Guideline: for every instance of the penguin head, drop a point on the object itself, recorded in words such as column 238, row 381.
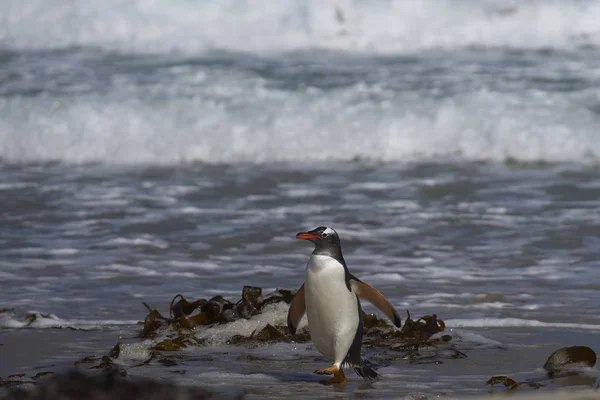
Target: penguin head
column 325, row 239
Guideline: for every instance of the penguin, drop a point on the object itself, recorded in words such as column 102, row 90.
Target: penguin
column 330, row 299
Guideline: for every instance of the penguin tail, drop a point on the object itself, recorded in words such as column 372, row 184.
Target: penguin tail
column 366, row 372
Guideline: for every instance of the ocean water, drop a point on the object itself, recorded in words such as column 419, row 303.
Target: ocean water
column 150, row 148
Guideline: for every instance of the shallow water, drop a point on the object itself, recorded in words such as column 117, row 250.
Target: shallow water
column 145, row 151
column 482, row 244
column 503, row 253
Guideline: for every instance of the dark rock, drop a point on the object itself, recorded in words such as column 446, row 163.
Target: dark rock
column 570, row 358
column 109, row 385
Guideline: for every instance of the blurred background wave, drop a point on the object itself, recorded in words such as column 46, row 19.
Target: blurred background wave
column 166, row 82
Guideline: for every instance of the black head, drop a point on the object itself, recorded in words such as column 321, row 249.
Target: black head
column 326, row 240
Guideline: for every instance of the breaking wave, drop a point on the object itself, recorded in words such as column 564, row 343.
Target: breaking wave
column 388, row 26
column 298, row 127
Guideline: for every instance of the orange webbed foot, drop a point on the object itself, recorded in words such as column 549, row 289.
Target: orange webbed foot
column 338, row 377
column 327, row 371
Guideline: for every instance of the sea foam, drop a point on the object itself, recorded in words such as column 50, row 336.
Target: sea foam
column 516, row 322
column 287, row 25
column 120, row 129
column 37, row 320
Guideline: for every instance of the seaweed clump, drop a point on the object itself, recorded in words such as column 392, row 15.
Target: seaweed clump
column 413, row 342
column 412, row 333
column 185, row 316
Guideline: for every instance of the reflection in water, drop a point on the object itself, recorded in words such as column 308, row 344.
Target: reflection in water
column 574, row 378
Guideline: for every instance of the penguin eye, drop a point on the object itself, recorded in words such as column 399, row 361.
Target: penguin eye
column 324, row 235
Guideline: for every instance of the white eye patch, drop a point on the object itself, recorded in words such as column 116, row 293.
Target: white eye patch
column 329, row 231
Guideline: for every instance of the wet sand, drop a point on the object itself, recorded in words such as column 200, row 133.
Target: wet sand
column 284, row 370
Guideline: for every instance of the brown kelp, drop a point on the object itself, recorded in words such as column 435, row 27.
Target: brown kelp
column 187, row 317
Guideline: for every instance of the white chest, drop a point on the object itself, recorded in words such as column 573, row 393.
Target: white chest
column 331, row 309
column 325, row 280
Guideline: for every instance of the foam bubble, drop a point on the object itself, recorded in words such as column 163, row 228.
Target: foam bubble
column 135, row 351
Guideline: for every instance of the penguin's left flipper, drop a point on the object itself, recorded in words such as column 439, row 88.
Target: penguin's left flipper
column 377, row 299
column 296, row 311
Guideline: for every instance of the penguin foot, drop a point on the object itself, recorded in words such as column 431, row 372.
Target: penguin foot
column 338, row 377
column 327, row 371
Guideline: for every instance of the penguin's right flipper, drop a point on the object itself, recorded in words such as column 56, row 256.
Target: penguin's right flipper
column 377, row 299
column 296, row 311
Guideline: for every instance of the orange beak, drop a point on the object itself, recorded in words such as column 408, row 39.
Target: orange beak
column 306, row 236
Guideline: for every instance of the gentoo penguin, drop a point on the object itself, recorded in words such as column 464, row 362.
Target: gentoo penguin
column 329, row 297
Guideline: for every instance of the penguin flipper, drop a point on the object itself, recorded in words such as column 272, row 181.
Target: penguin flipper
column 296, row 311
column 376, row 298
